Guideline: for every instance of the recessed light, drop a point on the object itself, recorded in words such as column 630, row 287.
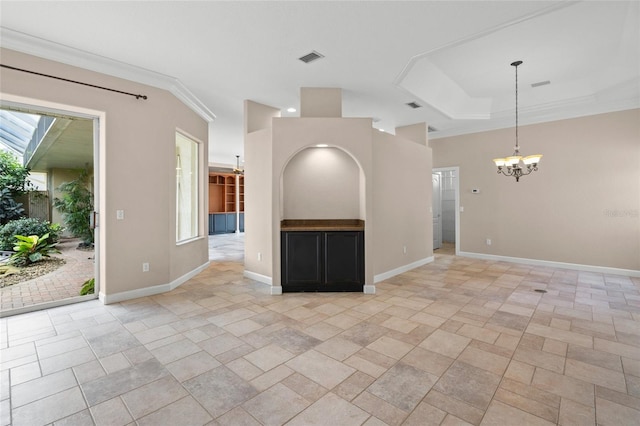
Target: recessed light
column 291, row 109
column 322, row 145
column 381, row 130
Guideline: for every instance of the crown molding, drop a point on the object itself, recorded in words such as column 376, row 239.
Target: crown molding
column 539, row 115
column 35, row 46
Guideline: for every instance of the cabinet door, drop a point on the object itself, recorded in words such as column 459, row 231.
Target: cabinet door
column 231, row 222
column 219, row 223
column 343, row 257
column 241, row 222
column 301, row 260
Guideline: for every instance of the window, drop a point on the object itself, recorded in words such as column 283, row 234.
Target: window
column 186, row 188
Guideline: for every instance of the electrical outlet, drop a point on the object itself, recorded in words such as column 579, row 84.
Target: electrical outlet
column 488, row 241
column 120, row 214
column 404, row 249
column 145, row 267
column 259, row 257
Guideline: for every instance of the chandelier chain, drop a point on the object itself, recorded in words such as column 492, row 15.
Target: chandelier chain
column 517, row 145
column 510, row 166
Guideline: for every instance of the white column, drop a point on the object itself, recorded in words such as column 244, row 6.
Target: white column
column 237, row 204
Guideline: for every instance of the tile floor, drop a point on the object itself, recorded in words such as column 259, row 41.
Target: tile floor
column 65, row 282
column 459, row 341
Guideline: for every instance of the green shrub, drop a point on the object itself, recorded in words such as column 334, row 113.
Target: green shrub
column 76, row 206
column 13, row 175
column 32, row 249
column 9, row 208
column 13, row 181
column 27, row 226
column 88, row 287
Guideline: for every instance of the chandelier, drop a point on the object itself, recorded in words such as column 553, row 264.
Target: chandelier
column 510, row 166
column 237, row 170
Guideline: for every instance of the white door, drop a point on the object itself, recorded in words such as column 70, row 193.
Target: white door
column 437, row 211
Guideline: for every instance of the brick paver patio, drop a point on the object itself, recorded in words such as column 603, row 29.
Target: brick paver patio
column 63, row 283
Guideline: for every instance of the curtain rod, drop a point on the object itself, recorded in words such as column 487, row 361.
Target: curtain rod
column 73, row 81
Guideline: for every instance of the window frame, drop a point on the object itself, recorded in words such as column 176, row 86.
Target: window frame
column 194, row 187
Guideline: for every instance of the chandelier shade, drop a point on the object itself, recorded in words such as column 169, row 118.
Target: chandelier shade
column 510, row 166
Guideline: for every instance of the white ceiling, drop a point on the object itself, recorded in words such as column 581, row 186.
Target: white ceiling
column 451, row 57
column 68, row 144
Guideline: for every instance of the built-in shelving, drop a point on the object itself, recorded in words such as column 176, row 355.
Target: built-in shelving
column 226, row 199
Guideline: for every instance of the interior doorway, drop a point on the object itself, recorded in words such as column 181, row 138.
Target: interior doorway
column 446, row 209
column 436, row 181
column 64, row 143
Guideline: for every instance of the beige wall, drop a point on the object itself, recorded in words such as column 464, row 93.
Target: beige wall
column 137, row 169
column 321, row 183
column 258, row 116
column 320, row 102
column 388, row 179
column 417, row 133
column 581, row 207
column 258, row 216
column 292, row 135
column 401, row 202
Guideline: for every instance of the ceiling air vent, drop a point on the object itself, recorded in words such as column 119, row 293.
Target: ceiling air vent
column 541, row 83
column 310, row 57
column 413, row 105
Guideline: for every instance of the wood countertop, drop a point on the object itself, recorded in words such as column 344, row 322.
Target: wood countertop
column 322, row 225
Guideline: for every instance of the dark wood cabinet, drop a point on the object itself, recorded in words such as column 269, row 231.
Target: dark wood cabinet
column 302, row 258
column 343, row 257
column 322, row 261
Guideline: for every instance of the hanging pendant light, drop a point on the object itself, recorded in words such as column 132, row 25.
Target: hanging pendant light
column 510, row 166
column 237, row 170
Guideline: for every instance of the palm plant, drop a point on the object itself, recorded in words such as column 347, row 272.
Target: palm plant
column 32, row 249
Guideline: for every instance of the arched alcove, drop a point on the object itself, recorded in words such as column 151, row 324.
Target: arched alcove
column 322, row 183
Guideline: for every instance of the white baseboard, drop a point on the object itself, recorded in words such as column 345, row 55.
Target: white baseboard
column 397, row 271
column 275, row 289
column 552, row 264
column 369, row 289
column 258, row 277
column 150, row 291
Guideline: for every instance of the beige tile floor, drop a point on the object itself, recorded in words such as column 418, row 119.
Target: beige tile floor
column 455, row 342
